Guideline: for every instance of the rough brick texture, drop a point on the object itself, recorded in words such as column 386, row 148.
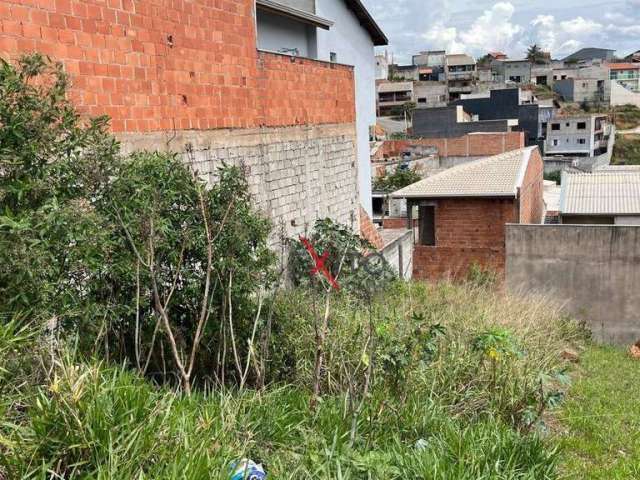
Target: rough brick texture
column 468, row 231
column 396, row 222
column 175, row 64
column 532, row 191
column 368, row 230
column 470, row 145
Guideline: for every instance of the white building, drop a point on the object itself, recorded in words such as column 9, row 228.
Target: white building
column 340, row 31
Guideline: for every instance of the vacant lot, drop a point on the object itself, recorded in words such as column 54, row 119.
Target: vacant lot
column 601, row 417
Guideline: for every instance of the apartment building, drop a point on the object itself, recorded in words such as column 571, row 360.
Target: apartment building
column 392, row 96
column 626, row 74
column 461, row 75
column 285, row 90
column 578, row 135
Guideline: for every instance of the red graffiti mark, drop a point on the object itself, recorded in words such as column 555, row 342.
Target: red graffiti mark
column 319, row 263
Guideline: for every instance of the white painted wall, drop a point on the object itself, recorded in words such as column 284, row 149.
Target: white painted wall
column 622, row 96
column 276, row 32
column 353, row 46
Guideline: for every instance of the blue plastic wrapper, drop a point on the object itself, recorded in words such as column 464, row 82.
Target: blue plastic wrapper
column 246, row 469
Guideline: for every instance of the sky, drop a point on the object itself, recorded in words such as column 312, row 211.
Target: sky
column 510, row 26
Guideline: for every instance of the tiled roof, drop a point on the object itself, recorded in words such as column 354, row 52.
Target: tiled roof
column 624, row 66
column 496, row 176
column 600, row 193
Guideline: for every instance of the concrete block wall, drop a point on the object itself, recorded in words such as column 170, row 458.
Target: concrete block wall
column 399, row 253
column 296, row 174
column 593, row 271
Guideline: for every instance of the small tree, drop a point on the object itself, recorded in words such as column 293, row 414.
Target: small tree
column 536, row 55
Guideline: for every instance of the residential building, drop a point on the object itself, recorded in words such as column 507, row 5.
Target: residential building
column 430, row 58
column 461, row 75
column 431, row 65
column 462, row 212
column 404, row 72
column 501, row 104
column 626, row 74
column 583, row 90
column 497, row 55
column 604, row 197
column 514, row 71
column 633, row 57
column 382, row 67
column 392, row 96
column 577, row 135
column 263, row 85
column 453, row 121
column 430, row 94
column 590, row 53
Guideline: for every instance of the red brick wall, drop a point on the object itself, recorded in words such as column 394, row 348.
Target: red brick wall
column 396, row 222
column 467, row 231
column 532, row 191
column 121, row 63
column 369, row 231
column 470, row 145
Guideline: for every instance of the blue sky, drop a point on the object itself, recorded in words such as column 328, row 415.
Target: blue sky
column 475, row 27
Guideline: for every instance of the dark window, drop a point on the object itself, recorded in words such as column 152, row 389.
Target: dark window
column 582, row 125
column 555, row 126
column 568, row 124
column 427, row 225
column 582, row 141
column 333, row 57
column 422, row 100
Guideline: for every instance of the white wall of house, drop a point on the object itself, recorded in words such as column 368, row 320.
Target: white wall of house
column 277, row 33
column 352, row 44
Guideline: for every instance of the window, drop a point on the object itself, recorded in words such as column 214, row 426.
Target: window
column 555, row 142
column 555, row 126
column 582, row 125
column 333, row 57
column 582, row 141
column 427, row 234
column 567, row 124
column 422, row 100
column 563, row 77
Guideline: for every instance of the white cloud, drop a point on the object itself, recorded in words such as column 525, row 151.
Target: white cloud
column 440, row 36
column 580, row 26
column 493, row 30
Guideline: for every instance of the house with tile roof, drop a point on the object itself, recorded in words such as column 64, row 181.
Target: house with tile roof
column 462, row 212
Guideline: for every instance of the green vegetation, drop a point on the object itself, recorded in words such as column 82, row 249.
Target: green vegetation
column 555, row 176
column 602, row 417
column 536, row 55
column 627, row 117
column 459, row 380
column 626, row 150
column 390, row 182
column 145, row 331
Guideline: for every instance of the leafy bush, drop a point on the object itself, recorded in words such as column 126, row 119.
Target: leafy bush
column 396, row 180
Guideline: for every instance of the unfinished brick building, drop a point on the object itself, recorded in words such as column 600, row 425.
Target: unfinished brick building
column 192, row 77
column 462, row 212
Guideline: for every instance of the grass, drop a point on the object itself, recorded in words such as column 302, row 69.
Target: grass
column 602, row 418
column 626, row 150
column 461, row 375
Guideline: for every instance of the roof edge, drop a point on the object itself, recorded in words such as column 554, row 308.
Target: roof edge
column 295, row 13
column 367, row 21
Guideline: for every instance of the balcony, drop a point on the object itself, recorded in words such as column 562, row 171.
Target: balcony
column 467, row 75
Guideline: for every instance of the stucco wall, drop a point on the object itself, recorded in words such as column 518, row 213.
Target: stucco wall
column 279, row 34
column 623, row 96
column 594, row 271
column 353, row 46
